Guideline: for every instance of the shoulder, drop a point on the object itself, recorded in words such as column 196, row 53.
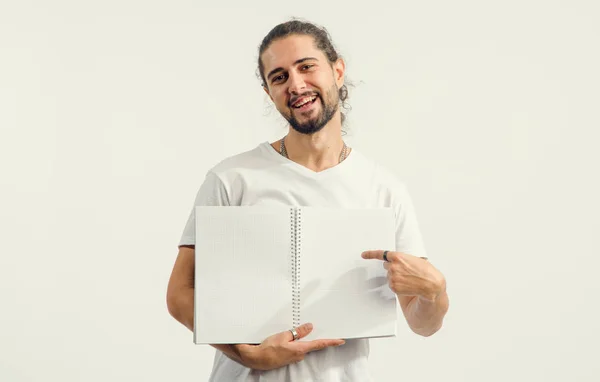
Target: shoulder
column 226, row 176
column 253, row 159
column 380, row 175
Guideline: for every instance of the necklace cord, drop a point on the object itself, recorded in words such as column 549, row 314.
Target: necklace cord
column 283, row 151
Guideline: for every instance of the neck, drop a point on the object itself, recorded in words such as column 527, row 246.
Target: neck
column 318, row 151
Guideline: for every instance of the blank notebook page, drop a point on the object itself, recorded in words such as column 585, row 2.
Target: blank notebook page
column 247, row 247
column 342, row 294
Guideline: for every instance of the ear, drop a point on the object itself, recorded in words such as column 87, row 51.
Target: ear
column 339, row 68
column 267, row 91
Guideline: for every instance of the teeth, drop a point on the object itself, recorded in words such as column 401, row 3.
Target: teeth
column 305, row 101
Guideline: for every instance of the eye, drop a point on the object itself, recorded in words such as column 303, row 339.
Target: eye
column 307, row 66
column 278, row 78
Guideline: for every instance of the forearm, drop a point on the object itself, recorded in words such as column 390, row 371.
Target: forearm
column 425, row 317
column 231, row 352
column 181, row 307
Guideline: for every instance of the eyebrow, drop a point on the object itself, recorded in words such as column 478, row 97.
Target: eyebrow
column 276, row 70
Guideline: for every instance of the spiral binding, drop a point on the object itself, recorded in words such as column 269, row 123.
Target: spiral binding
column 296, row 217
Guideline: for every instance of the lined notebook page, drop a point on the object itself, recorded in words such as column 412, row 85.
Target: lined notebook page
column 243, row 271
column 342, row 294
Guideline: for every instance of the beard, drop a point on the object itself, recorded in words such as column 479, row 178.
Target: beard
column 329, row 107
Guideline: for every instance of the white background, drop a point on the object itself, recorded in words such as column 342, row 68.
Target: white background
column 112, row 112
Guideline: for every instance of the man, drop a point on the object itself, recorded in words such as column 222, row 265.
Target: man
column 310, row 166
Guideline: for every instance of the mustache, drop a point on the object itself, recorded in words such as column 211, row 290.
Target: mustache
column 306, row 94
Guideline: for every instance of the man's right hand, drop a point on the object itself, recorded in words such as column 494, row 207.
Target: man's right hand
column 280, row 349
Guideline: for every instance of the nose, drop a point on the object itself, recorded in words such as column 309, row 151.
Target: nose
column 296, row 83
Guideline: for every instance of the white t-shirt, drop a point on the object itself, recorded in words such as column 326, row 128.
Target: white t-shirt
column 262, row 176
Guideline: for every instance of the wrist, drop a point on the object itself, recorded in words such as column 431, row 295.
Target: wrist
column 434, row 290
column 249, row 356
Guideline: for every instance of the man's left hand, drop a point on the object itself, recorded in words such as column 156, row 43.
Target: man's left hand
column 410, row 275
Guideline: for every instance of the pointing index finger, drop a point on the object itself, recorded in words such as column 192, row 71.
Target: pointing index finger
column 378, row 254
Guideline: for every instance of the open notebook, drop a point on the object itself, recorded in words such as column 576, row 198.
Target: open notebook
column 261, row 270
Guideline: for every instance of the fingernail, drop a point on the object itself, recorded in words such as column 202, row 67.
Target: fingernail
column 308, row 326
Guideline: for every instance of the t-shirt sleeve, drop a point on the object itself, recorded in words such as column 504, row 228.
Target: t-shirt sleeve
column 212, row 192
column 408, row 234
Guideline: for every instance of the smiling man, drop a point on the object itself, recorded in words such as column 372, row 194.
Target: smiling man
column 310, row 166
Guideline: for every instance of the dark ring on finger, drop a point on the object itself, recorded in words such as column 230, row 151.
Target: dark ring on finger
column 385, row 256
